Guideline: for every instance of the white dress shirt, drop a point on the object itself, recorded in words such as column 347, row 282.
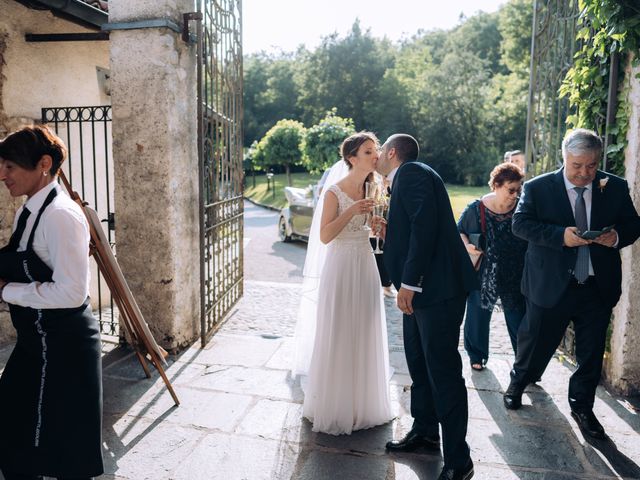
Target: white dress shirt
column 390, row 177
column 61, row 241
column 573, row 196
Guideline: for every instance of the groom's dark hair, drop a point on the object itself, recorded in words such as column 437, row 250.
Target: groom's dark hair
column 405, row 145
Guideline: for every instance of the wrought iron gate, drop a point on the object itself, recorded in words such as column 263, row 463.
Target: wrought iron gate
column 553, row 48
column 86, row 132
column 220, row 159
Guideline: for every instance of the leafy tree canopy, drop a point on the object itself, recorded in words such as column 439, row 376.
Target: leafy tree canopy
column 322, row 141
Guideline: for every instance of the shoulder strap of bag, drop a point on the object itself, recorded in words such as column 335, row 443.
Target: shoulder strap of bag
column 483, row 222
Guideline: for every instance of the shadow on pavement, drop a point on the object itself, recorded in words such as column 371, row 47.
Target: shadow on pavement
column 136, row 410
column 539, row 437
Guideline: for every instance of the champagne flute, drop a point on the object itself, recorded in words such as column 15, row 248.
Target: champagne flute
column 378, row 211
column 370, row 193
column 370, row 190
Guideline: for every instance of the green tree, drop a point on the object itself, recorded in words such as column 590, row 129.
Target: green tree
column 449, row 117
column 479, row 35
column 506, row 105
column 515, row 21
column 270, row 93
column 343, row 73
column 322, row 141
column 282, row 145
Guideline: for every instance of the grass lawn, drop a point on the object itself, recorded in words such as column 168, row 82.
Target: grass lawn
column 261, row 195
column 460, row 195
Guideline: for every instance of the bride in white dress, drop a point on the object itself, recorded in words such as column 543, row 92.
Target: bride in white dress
column 341, row 332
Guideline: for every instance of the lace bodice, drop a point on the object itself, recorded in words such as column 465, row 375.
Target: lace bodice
column 358, row 223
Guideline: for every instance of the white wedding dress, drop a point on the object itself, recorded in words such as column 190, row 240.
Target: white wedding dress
column 348, row 377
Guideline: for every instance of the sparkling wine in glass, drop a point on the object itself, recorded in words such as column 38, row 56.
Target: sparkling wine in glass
column 371, row 190
column 378, row 211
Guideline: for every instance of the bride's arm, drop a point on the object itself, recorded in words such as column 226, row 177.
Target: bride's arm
column 331, row 223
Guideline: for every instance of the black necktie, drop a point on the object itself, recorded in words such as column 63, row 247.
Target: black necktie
column 14, row 241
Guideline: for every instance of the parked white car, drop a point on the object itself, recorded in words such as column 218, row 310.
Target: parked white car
column 295, row 219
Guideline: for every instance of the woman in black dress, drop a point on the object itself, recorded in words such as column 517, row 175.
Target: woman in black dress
column 51, row 388
column 503, row 261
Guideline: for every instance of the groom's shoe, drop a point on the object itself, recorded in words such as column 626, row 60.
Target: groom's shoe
column 412, row 441
column 457, row 473
column 589, row 424
column 513, row 396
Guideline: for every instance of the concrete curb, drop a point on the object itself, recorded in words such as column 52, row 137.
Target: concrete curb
column 258, row 204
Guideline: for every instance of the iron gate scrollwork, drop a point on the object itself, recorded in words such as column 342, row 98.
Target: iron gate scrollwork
column 553, row 47
column 220, row 154
column 87, row 134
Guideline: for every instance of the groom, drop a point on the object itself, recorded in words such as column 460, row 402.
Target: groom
column 430, row 268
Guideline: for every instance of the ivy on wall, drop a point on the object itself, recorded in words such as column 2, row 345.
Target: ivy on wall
column 606, row 27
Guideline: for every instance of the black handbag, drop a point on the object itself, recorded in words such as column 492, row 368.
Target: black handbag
column 479, row 240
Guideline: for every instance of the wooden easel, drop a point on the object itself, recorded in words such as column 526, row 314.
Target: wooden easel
column 136, row 329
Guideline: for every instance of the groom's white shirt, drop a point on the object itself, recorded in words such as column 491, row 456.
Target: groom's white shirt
column 390, row 177
column 392, row 174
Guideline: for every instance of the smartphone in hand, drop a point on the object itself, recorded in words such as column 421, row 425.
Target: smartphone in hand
column 593, row 234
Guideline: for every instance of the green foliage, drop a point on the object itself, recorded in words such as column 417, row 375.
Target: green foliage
column 282, row 145
column 322, row 142
column 606, row 27
column 254, row 157
column 461, row 92
column 479, row 35
column 270, row 93
column 343, row 73
column 515, row 23
column 454, row 130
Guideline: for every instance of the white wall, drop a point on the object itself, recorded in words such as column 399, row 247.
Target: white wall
column 37, row 75
column 47, row 74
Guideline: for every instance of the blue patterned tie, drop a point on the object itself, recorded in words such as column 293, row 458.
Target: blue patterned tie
column 581, row 271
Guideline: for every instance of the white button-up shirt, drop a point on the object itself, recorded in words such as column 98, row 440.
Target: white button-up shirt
column 61, row 240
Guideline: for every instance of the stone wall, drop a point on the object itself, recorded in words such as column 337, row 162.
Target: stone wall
column 623, row 365
column 156, row 168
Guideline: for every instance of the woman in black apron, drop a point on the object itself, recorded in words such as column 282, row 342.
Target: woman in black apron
column 51, row 388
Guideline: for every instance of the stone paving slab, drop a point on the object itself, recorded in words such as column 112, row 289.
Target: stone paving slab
column 241, row 414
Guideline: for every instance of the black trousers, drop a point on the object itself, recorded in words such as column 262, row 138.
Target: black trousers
column 382, row 270
column 438, row 392
column 542, row 330
column 20, row 476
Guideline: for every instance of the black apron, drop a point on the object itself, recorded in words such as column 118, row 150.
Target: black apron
column 51, row 387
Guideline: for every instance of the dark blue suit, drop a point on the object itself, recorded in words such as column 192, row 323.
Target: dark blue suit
column 553, row 296
column 423, row 249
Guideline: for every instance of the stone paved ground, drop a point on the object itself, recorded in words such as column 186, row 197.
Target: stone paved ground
column 240, row 416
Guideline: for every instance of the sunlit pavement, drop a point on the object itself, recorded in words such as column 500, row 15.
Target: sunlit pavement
column 240, row 416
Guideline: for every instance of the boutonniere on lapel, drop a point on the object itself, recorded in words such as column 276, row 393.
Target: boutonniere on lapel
column 603, row 183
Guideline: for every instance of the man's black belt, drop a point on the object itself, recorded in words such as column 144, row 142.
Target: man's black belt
column 591, row 280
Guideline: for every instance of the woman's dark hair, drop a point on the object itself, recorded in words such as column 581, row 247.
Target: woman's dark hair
column 25, row 148
column 505, row 173
column 352, row 143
